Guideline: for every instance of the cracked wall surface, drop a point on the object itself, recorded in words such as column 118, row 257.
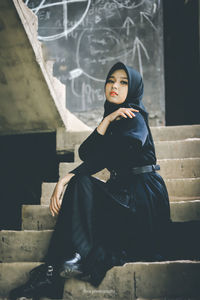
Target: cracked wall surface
column 30, row 101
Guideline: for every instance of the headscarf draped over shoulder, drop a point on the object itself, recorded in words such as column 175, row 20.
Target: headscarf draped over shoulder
column 133, row 128
column 135, row 91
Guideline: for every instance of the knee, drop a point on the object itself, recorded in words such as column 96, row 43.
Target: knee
column 82, row 178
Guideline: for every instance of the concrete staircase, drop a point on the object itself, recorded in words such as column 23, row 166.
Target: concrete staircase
column 178, row 151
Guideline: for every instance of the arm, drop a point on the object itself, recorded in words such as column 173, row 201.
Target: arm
column 94, row 142
column 128, row 135
column 131, row 136
column 134, row 130
column 94, row 151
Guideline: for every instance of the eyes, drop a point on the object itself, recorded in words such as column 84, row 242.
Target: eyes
column 122, row 82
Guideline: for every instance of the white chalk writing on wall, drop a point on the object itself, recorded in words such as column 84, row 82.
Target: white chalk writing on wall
column 97, row 38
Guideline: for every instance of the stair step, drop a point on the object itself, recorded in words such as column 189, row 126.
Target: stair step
column 170, row 168
column 175, row 133
column 183, row 188
column 183, row 211
column 178, row 149
column 168, row 149
column 179, row 168
column 38, row 217
column 13, row 275
column 24, row 246
column 178, row 189
column 66, row 141
column 158, row 280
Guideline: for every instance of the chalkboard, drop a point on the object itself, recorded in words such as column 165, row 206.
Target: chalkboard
column 86, row 37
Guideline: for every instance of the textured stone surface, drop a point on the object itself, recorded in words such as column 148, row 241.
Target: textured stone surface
column 169, row 149
column 47, row 190
column 170, row 279
column 178, row 149
column 13, row 275
column 166, row 280
column 67, row 141
column 179, row 168
column 169, row 168
column 175, row 133
column 178, row 189
column 24, row 246
column 26, row 78
column 38, row 217
column 183, row 188
column 184, row 211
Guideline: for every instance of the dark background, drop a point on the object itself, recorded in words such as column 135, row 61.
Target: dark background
column 181, row 58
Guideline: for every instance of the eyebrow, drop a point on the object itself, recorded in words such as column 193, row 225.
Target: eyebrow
column 120, row 77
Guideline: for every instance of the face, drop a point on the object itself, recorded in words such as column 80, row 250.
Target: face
column 116, row 88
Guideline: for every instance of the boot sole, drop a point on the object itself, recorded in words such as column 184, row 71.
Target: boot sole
column 67, row 274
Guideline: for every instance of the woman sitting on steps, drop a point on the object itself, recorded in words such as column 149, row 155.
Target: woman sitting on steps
column 104, row 224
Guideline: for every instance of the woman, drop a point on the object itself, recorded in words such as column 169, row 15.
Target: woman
column 103, row 224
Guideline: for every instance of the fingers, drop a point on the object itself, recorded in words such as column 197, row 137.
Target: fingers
column 128, row 112
column 123, row 115
column 54, row 206
column 134, row 109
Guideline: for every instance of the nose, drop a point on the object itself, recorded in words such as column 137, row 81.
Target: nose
column 115, row 85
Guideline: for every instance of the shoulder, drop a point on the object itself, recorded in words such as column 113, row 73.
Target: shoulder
column 133, row 123
column 134, row 128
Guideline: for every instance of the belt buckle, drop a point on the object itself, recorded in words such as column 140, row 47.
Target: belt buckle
column 156, row 167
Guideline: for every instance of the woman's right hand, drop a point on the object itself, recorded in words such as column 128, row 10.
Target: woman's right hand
column 55, row 201
column 120, row 113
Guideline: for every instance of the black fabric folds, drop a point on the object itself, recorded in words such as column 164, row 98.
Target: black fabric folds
column 126, row 218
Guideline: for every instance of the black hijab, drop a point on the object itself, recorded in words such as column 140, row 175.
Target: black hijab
column 135, row 91
column 133, row 100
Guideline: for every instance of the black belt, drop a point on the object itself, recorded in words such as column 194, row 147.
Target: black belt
column 135, row 171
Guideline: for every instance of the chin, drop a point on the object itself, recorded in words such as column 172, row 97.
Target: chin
column 115, row 101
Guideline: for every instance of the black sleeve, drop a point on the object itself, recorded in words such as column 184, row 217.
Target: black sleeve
column 93, row 152
column 91, row 145
column 134, row 130
column 98, row 150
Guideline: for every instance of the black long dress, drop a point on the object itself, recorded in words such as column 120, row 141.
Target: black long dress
column 123, row 219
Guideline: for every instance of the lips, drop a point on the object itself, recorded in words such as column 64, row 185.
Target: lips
column 113, row 93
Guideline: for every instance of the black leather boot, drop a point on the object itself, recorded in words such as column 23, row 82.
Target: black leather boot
column 71, row 268
column 44, row 281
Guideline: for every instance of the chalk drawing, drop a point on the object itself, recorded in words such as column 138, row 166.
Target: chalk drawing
column 146, row 16
column 39, row 7
column 89, row 95
column 108, row 31
column 65, row 17
column 73, row 89
column 66, row 30
column 129, row 4
column 97, row 50
column 97, row 19
column 75, row 73
column 154, row 8
column 128, row 22
column 137, row 45
column 55, row 4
